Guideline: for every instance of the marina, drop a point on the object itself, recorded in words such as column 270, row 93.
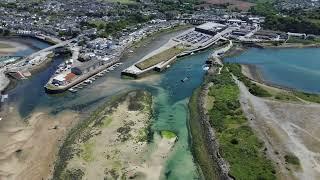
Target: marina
column 91, row 80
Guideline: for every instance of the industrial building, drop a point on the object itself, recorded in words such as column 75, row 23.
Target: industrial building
column 210, row 28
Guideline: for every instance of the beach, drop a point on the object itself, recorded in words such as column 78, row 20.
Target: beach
column 287, row 129
column 4, row 80
column 113, row 143
column 29, row 145
column 8, row 47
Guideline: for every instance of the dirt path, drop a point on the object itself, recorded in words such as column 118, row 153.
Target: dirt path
column 286, row 127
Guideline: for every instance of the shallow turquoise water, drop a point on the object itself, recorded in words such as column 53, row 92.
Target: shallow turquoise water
column 171, row 106
column 297, row 68
column 170, row 101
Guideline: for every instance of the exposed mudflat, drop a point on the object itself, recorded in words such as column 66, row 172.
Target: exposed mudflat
column 286, row 128
column 8, row 47
column 115, row 143
column 28, row 146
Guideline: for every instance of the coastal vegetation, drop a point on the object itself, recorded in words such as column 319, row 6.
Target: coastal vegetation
column 168, row 134
column 87, row 141
column 254, row 89
column 161, row 57
column 199, row 143
column 238, row 143
column 308, row 96
column 313, row 40
column 298, row 20
column 265, row 91
column 292, row 159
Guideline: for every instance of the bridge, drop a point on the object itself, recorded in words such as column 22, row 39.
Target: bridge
column 32, row 60
column 61, row 44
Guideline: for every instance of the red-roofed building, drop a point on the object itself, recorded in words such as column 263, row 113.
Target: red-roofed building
column 69, row 77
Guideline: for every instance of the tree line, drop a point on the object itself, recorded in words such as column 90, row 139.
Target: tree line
column 298, row 20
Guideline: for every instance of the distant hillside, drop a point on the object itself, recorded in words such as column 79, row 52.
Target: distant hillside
column 231, row 4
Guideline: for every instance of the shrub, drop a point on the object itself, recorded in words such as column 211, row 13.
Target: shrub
column 292, row 159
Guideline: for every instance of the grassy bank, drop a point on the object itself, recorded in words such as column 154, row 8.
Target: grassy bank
column 271, row 92
column 254, row 89
column 199, row 148
column 161, row 57
column 303, row 41
column 238, row 143
column 307, row 96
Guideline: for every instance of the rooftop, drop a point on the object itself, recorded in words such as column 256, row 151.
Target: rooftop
column 211, row 26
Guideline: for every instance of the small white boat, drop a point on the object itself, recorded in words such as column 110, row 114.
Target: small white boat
column 72, row 90
column 185, row 79
column 206, row 68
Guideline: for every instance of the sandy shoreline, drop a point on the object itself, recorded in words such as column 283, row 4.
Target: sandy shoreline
column 39, row 164
column 4, row 81
column 254, row 74
column 286, row 128
column 29, row 145
column 113, row 143
column 14, row 47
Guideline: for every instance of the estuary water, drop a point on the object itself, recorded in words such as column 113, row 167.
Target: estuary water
column 297, row 68
column 170, row 97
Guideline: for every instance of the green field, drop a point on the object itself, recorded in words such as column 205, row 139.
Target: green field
column 160, row 57
column 238, row 144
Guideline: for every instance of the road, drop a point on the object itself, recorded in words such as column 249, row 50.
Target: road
column 50, row 48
